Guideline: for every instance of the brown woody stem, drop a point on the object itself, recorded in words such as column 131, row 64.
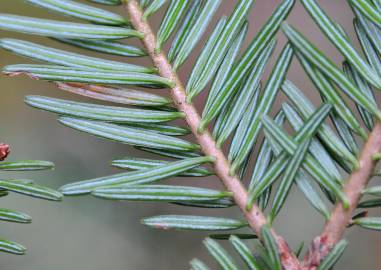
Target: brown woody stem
column 255, row 217
column 341, row 218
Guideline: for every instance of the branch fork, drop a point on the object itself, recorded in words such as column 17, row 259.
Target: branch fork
column 340, row 218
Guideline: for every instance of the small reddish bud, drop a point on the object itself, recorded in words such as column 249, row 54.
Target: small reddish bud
column 4, row 151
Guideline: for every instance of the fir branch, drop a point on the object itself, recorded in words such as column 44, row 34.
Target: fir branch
column 340, row 217
column 255, row 217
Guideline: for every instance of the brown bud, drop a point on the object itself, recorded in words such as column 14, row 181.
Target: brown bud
column 4, row 151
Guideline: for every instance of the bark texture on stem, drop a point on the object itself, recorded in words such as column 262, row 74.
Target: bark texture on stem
column 340, row 218
column 255, row 217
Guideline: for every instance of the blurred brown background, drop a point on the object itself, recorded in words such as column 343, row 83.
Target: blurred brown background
column 86, row 233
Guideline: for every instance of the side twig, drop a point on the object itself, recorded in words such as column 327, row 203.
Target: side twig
column 255, row 217
column 340, row 218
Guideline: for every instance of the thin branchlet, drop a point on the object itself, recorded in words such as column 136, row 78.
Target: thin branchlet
column 255, row 217
column 340, row 217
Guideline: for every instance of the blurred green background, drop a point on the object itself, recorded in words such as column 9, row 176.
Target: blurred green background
column 86, row 233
